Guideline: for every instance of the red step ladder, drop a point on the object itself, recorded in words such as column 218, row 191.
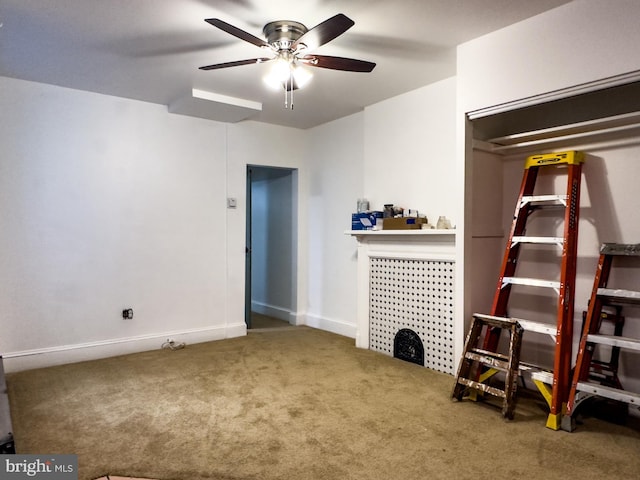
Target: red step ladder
column 554, row 386
column 583, row 385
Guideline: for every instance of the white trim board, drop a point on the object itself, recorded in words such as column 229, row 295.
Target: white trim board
column 334, row 326
column 63, row 354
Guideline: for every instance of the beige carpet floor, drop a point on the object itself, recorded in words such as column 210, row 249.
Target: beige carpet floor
column 294, row 404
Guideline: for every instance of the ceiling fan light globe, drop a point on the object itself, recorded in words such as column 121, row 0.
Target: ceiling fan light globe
column 301, row 76
column 272, row 81
column 281, row 70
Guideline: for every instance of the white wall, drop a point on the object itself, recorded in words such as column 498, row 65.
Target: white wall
column 107, row 204
column 576, row 43
column 409, row 149
column 336, row 167
column 400, row 151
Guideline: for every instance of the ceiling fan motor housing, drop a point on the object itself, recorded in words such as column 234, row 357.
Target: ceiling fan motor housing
column 283, row 33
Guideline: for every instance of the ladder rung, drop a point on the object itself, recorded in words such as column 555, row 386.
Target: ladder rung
column 602, row 374
column 543, row 376
column 500, row 322
column 496, row 355
column 537, row 372
column 621, row 296
column 538, row 327
column 629, row 249
column 553, row 200
column 538, row 240
column 614, row 341
column 489, row 360
column 609, row 392
column 532, row 282
column 482, row 387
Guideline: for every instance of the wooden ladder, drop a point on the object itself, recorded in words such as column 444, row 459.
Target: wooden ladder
column 474, row 358
column 554, row 386
column 582, row 386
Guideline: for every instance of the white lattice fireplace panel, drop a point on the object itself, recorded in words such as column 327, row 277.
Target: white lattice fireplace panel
column 425, row 255
column 414, row 294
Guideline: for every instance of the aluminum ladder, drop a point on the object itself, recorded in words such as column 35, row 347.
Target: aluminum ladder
column 582, row 386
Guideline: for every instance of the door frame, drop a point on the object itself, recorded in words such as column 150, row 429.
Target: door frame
column 250, row 177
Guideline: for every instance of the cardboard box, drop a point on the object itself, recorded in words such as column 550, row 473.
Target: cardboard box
column 403, row 223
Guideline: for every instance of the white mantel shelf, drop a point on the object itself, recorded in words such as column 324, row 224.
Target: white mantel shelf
column 410, row 232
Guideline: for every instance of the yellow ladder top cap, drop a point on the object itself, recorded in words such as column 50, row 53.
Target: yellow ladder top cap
column 571, row 157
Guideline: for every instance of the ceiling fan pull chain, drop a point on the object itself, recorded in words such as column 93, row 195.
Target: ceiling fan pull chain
column 291, row 83
column 286, row 98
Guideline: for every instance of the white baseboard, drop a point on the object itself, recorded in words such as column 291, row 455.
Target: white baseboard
column 47, row 357
column 272, row 311
column 333, row 326
column 296, row 318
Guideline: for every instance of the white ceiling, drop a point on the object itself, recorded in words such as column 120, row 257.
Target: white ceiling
column 150, row 50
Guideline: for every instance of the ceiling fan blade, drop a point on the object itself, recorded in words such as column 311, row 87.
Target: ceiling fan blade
column 236, row 32
column 235, row 64
column 338, row 63
column 325, row 32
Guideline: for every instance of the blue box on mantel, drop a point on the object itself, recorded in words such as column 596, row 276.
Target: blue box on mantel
column 364, row 220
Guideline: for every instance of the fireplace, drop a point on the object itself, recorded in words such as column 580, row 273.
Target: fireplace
column 406, row 281
column 407, row 346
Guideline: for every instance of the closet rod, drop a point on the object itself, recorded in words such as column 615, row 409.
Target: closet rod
column 590, row 127
column 561, row 138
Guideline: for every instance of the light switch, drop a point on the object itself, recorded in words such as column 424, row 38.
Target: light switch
column 231, row 202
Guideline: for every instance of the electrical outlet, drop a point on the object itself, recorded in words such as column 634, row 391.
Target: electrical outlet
column 127, row 313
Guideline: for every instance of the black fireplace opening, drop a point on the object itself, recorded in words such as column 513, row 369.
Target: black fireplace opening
column 407, row 346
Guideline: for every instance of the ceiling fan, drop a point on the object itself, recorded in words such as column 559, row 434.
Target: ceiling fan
column 290, row 44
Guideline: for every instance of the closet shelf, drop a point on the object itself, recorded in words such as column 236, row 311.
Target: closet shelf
column 590, row 130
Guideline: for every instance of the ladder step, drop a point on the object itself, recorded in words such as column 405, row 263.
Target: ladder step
column 619, row 296
column 629, row 249
column 489, row 360
column 496, row 355
column 532, row 282
column 537, row 372
column 542, row 200
column 538, row 327
column 482, row 387
column 609, row 392
column 500, row 322
column 543, row 376
column 614, row 341
column 538, row 240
